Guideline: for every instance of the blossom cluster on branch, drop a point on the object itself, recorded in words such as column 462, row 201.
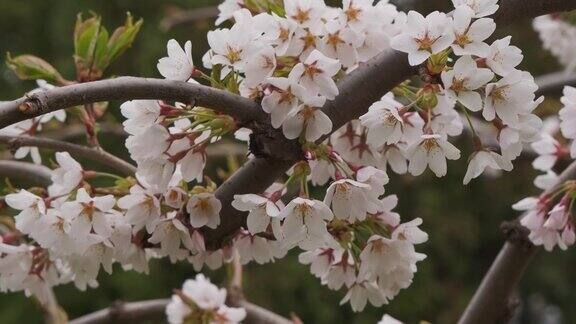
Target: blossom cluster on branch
column 200, row 301
column 550, row 217
column 289, row 56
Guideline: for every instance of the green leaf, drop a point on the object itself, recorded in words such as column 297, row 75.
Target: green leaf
column 86, row 39
column 30, row 67
column 120, row 41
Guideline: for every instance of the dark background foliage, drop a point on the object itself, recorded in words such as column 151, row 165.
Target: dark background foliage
column 463, row 222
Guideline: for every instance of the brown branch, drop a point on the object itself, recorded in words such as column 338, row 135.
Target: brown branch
column 151, row 310
column 37, row 174
column 128, row 88
column 493, row 302
column 94, row 154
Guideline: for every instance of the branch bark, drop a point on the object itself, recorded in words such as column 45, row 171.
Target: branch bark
column 128, row 88
column 37, row 174
column 93, row 154
column 151, row 310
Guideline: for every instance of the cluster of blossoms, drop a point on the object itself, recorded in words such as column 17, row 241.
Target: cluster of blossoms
column 200, row 301
column 483, row 79
column 558, row 35
column 288, row 59
column 550, row 216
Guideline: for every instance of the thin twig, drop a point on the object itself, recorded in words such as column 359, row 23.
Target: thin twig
column 94, row 154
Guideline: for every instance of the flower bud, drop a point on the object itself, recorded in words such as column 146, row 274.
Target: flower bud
column 427, row 98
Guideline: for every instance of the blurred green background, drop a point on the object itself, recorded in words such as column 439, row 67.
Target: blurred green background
column 463, row 222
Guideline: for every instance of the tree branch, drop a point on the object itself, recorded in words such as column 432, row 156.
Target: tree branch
column 128, row 88
column 492, row 302
column 137, row 312
column 94, row 154
column 37, row 174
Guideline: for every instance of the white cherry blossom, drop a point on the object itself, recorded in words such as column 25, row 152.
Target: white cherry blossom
column 503, row 58
column 31, row 209
column 462, row 82
column 351, row 200
column 304, row 223
column 481, row 8
column 315, row 74
column 204, row 209
column 431, row 150
column 480, row 160
column 67, row 176
column 310, row 120
column 178, row 65
column 260, row 209
column 470, row 35
column 423, row 36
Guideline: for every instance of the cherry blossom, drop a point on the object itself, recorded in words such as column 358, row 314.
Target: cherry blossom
column 310, row 120
column 503, row 58
column 463, row 80
column 351, row 200
column 261, row 210
column 304, row 223
column 315, row 74
column 470, row 36
column 204, row 209
column 431, row 150
column 384, row 122
column 31, row 209
column 423, row 36
column 568, row 117
column 178, row 65
column 67, row 176
column 200, row 298
column 480, row 160
column 481, row 8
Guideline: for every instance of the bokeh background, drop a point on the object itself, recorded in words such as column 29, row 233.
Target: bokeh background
column 463, row 222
